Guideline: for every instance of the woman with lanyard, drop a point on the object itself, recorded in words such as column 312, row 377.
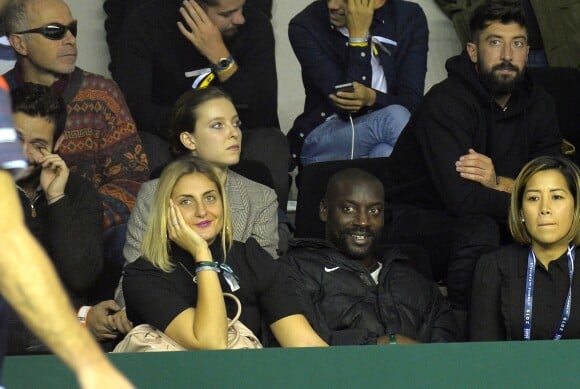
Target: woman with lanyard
column 528, row 290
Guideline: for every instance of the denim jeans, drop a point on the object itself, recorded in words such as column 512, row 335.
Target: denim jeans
column 375, row 135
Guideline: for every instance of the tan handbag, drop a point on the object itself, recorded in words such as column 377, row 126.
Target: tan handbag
column 240, row 336
column 146, row 338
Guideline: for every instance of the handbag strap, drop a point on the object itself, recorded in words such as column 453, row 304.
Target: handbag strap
column 239, row 305
column 230, row 295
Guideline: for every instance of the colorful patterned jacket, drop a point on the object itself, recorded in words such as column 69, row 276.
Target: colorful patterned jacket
column 100, row 140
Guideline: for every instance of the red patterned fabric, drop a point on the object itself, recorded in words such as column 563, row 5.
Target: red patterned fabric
column 101, row 143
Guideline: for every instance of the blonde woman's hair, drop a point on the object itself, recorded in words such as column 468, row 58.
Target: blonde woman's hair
column 571, row 174
column 156, row 247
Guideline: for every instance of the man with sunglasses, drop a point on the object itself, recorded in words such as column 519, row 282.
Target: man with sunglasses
column 100, row 141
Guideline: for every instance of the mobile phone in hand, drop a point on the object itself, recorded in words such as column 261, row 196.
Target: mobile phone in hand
column 348, row 87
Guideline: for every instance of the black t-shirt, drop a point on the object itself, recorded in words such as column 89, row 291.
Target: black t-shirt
column 155, row 297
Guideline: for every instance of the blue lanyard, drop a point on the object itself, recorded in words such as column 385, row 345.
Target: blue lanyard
column 529, row 300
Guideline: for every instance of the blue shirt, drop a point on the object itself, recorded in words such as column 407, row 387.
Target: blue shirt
column 327, row 60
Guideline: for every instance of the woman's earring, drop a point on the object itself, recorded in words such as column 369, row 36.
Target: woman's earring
column 523, row 220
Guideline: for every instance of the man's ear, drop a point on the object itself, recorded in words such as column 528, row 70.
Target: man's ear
column 187, row 140
column 379, row 3
column 471, row 49
column 323, row 211
column 18, row 43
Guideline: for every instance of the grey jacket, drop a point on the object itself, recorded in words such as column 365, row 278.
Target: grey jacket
column 253, row 207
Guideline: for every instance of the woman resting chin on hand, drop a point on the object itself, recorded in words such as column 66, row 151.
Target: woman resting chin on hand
column 178, row 282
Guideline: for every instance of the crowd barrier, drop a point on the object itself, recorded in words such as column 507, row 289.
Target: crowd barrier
column 536, row 364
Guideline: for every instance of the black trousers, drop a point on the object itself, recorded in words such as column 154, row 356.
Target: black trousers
column 454, row 244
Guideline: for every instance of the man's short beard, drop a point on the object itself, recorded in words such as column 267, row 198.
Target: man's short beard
column 497, row 85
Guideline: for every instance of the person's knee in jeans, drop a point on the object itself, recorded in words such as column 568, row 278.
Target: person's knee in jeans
column 381, row 150
column 390, row 122
column 380, row 130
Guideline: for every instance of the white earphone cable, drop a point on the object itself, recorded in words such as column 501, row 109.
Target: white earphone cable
column 352, row 137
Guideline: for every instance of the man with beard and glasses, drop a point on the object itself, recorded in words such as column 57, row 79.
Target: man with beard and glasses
column 452, row 170
column 167, row 47
column 352, row 292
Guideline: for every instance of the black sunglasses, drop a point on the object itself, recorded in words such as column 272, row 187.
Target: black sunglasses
column 54, row 31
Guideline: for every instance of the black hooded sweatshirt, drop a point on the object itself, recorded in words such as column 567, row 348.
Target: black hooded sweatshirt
column 458, row 114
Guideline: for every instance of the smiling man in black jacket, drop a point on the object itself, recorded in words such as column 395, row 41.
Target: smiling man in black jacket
column 352, row 295
column 451, row 172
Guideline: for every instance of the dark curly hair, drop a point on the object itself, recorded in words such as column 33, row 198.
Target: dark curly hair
column 40, row 101
column 503, row 11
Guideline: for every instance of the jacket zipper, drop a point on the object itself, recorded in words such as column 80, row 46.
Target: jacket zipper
column 31, row 201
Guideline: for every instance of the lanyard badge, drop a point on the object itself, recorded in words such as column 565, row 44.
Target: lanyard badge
column 529, row 298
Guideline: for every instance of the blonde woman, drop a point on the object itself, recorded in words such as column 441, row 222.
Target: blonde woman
column 190, row 258
column 205, row 124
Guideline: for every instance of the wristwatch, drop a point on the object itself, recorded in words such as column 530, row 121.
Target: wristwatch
column 223, row 64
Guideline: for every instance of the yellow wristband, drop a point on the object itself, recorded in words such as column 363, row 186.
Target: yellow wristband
column 358, row 44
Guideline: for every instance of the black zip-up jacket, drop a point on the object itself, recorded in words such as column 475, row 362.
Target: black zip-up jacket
column 345, row 307
column 458, row 114
column 71, row 232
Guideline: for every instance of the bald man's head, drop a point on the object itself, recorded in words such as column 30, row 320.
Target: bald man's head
column 353, row 210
